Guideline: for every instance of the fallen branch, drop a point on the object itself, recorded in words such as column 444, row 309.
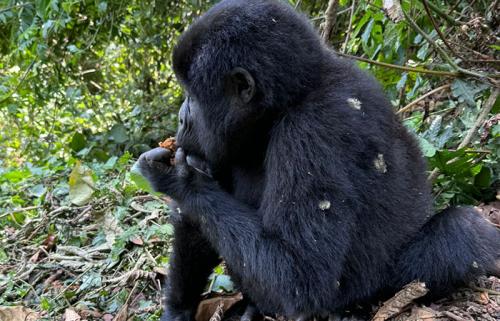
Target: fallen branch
column 400, row 300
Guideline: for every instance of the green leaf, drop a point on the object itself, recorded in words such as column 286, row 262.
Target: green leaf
column 427, row 148
column 483, row 178
column 78, row 142
column 402, row 82
column 3, row 256
column 119, row 133
column 103, row 6
column 141, row 181
column 73, row 49
column 81, row 185
column 45, row 304
column 222, row 283
column 465, row 91
column 90, row 280
column 37, row 190
column 46, row 28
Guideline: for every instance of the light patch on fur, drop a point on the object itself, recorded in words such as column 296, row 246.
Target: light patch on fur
column 324, row 205
column 380, row 164
column 354, row 103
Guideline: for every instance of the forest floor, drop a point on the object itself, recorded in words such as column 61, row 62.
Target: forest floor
column 105, row 261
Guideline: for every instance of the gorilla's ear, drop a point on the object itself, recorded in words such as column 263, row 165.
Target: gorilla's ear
column 241, row 84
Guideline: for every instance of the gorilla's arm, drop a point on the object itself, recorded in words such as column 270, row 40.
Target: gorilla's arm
column 295, row 234
column 272, row 261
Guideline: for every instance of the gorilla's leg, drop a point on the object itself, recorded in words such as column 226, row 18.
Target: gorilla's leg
column 454, row 247
column 191, row 263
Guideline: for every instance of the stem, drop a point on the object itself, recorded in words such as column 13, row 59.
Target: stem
column 436, row 27
column 349, row 27
column 416, row 101
column 443, row 14
column 405, row 68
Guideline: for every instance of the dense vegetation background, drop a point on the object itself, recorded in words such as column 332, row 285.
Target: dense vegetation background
column 87, row 85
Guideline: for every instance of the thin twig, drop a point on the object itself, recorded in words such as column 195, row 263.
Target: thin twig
column 480, row 119
column 23, row 78
column 440, row 50
column 442, row 14
column 405, row 68
column 349, row 27
column 436, row 27
column 19, row 210
column 15, row 7
column 419, row 99
column 490, row 291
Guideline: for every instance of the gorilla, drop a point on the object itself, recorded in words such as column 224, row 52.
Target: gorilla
column 293, row 168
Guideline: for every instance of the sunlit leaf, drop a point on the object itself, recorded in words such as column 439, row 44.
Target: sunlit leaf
column 81, row 185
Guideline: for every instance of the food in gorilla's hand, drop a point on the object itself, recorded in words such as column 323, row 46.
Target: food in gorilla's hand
column 169, row 144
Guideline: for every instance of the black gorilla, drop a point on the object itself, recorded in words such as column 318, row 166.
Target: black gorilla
column 294, row 169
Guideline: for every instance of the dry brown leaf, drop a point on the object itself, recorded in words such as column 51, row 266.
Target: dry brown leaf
column 122, row 314
column 137, row 240
column 208, row 308
column 71, row 315
column 107, row 317
column 160, row 270
column 483, row 298
column 18, row 314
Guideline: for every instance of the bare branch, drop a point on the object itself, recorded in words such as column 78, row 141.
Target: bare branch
column 330, row 19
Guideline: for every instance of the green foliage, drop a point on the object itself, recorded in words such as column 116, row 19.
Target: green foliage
column 86, row 86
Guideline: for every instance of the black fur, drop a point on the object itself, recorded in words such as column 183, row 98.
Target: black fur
column 313, row 192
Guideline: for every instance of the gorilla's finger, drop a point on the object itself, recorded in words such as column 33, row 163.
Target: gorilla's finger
column 180, row 163
column 159, row 154
column 180, row 157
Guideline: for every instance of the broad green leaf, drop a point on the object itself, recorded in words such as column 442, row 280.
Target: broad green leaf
column 90, row 280
column 465, row 91
column 427, row 148
column 483, row 178
column 140, row 180
column 222, row 283
column 402, row 82
column 119, row 133
column 37, row 190
column 81, row 185
column 78, row 142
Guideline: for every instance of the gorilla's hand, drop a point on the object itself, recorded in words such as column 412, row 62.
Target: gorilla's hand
column 155, row 166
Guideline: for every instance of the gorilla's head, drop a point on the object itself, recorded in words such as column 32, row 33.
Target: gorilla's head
column 238, row 72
